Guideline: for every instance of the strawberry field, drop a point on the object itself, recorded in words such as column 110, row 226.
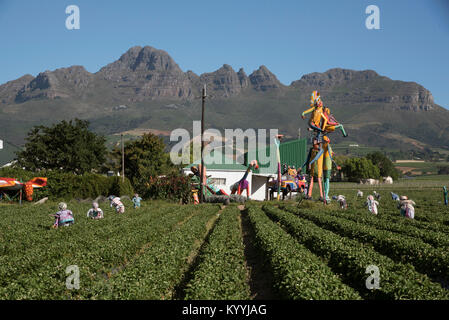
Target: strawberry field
column 274, row 250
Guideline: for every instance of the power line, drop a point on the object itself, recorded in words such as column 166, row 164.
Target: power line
column 12, row 144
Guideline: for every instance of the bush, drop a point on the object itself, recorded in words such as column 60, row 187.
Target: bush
column 385, row 165
column 443, row 170
column 174, row 186
column 69, row 186
column 360, row 168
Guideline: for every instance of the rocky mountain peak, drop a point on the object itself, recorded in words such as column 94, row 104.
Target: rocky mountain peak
column 333, row 77
column 224, row 81
column 140, row 60
column 8, row 91
column 62, row 83
column 243, row 78
column 263, row 80
column 368, row 87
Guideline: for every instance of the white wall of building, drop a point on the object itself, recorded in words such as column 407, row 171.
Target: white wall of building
column 258, row 187
column 257, row 183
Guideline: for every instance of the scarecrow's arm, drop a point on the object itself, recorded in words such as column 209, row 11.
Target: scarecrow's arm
column 307, row 111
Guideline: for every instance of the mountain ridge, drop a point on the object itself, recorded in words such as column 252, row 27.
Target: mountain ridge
column 146, row 88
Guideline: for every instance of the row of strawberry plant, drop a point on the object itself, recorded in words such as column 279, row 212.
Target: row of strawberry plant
column 426, row 216
column 298, row 273
column 351, row 258
column 95, row 234
column 221, row 272
column 34, row 222
column 437, row 239
column 426, row 259
column 65, row 242
column 156, row 273
column 94, row 249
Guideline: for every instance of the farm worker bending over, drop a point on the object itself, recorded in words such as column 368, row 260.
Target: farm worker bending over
column 377, row 195
column 63, row 217
column 372, row 204
column 117, row 204
column 406, row 206
column 445, row 195
column 136, row 201
column 394, row 196
column 95, row 212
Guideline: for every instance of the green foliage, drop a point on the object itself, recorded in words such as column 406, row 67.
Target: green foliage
column 298, row 273
column 385, row 165
column 69, row 186
column 221, row 273
column 160, row 267
column 360, row 168
column 443, row 170
column 314, row 252
column 174, row 186
column 144, row 158
column 350, row 258
column 67, row 146
column 34, row 257
column 403, row 248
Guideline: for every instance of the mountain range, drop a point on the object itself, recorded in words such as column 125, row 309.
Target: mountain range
column 146, row 89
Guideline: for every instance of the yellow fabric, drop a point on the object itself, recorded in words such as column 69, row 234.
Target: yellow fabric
column 317, row 165
column 327, row 159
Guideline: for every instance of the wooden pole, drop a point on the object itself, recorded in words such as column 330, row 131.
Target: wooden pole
column 123, row 160
column 20, row 199
column 203, row 98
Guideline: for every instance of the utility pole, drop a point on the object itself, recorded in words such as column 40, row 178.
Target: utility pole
column 123, row 159
column 203, row 98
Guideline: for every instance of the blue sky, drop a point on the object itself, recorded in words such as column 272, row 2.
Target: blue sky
column 291, row 38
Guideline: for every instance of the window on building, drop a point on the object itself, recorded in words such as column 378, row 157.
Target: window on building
column 218, row 181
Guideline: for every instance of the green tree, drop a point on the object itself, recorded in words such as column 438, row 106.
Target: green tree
column 144, row 158
column 443, row 169
column 67, row 146
column 360, row 168
column 385, row 165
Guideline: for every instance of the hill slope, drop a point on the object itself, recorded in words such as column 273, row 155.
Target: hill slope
column 145, row 88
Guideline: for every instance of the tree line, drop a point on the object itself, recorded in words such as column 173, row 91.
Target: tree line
column 69, row 146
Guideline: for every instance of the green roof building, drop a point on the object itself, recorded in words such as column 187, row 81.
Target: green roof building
column 224, row 172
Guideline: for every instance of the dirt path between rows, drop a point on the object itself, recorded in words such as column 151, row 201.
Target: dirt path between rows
column 260, row 279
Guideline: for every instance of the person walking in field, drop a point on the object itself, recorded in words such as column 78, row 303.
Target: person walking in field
column 372, row 204
column 117, row 204
column 136, row 201
column 95, row 212
column 406, row 206
column 63, row 217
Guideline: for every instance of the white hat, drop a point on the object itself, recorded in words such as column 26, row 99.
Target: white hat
column 62, row 206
